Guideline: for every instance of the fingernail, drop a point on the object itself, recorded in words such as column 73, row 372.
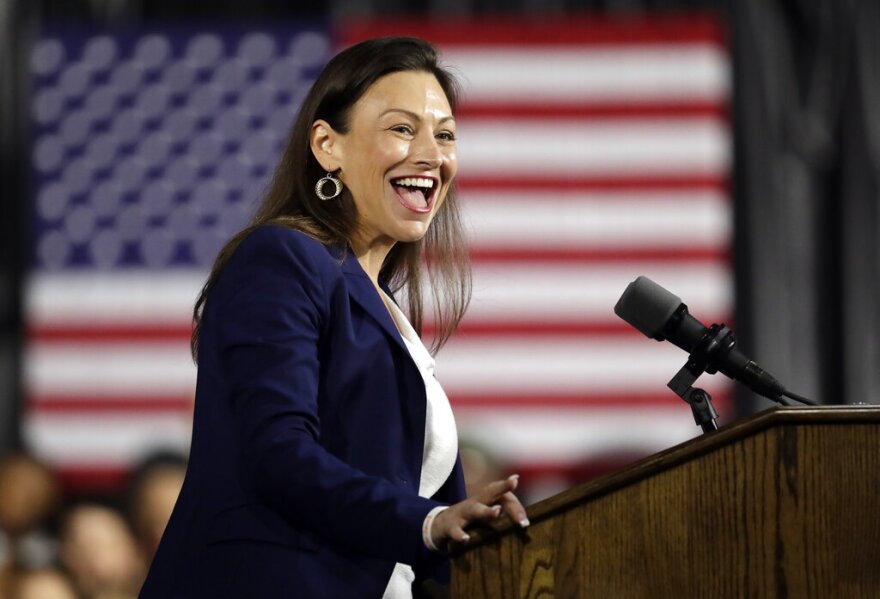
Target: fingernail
column 465, row 538
column 524, row 522
column 496, row 510
column 514, row 476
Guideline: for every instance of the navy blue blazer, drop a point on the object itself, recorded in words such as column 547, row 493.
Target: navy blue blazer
column 307, row 438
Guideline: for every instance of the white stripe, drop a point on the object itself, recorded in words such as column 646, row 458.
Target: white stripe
column 468, row 365
column 558, row 293
column 547, row 364
column 569, row 147
column 105, row 439
column 557, row 436
column 578, row 219
column 109, row 369
column 547, row 292
column 571, row 436
column 620, row 73
column 112, row 298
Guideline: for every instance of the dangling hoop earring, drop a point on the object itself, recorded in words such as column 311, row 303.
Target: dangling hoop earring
column 328, row 178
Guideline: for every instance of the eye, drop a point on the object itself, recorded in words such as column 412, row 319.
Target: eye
column 404, row 129
column 446, row 136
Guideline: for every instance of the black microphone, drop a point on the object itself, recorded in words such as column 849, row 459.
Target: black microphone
column 661, row 315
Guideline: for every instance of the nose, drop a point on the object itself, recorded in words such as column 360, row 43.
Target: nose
column 426, row 151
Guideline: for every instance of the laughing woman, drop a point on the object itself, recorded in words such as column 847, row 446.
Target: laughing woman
column 324, row 457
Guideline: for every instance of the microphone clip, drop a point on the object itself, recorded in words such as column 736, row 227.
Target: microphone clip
column 717, row 342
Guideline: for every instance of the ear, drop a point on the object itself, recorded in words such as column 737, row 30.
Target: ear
column 326, row 146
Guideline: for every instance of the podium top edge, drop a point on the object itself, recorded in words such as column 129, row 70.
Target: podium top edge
column 842, row 413
column 730, row 433
column 678, row 454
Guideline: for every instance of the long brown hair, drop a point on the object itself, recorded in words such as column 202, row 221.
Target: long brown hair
column 290, row 200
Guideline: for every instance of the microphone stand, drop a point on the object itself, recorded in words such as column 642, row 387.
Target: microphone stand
column 718, row 338
column 699, row 400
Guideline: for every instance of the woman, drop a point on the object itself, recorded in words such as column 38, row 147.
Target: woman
column 324, row 451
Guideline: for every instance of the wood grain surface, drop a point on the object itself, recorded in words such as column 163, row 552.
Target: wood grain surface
column 783, row 504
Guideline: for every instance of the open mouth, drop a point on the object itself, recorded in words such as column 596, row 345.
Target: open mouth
column 415, row 193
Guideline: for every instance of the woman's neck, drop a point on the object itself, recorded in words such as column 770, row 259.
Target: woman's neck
column 371, row 257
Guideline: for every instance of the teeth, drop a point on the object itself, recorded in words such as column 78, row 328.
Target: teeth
column 415, row 182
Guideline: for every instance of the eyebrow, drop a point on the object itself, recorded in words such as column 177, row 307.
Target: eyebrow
column 414, row 116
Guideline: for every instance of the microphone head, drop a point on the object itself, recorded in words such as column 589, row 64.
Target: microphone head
column 647, row 306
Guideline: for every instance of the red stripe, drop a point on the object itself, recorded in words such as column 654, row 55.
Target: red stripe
column 118, row 404
column 593, row 183
column 616, row 110
column 520, row 198
column 663, row 398
column 500, row 328
column 567, row 329
column 93, row 479
column 108, row 333
column 113, row 478
column 569, row 474
column 683, row 255
column 571, row 30
column 183, row 405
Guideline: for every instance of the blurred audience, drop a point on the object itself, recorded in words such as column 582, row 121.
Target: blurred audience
column 29, row 498
column 90, row 550
column 153, row 491
column 99, row 553
column 42, row 583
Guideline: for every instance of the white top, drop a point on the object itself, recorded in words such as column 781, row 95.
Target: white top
column 441, row 438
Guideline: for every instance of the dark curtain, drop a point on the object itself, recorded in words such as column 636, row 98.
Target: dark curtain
column 807, row 189
column 11, row 207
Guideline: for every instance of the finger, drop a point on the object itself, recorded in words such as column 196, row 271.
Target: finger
column 458, row 534
column 449, row 526
column 514, row 508
column 462, row 514
column 496, row 489
column 481, row 511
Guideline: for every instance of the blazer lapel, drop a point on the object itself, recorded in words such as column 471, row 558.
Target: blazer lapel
column 362, row 291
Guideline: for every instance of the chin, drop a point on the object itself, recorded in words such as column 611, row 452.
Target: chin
column 412, row 233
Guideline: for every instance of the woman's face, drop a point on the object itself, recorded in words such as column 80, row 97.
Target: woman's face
column 398, row 157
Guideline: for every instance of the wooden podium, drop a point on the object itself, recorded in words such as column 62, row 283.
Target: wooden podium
column 783, row 504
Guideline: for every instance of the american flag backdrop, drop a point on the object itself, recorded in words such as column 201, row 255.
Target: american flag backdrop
column 591, row 151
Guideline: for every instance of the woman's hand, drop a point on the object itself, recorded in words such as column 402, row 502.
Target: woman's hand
column 495, row 499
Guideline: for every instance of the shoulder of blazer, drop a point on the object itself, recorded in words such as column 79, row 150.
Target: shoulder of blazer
column 288, row 250
column 295, row 244
column 269, row 264
column 320, row 268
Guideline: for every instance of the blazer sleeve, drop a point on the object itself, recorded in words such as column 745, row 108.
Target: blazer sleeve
column 269, row 307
